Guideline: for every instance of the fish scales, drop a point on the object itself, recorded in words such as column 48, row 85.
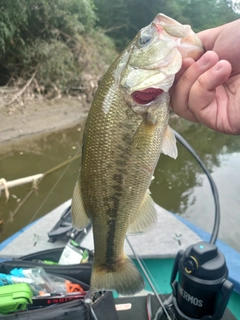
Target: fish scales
column 112, row 136
column 126, row 130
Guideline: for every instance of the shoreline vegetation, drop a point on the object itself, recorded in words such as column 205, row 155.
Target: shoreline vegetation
column 54, row 53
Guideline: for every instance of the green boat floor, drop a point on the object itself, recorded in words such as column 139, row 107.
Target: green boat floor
column 159, row 271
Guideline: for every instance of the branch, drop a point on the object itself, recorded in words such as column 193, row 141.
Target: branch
column 105, row 30
column 20, row 92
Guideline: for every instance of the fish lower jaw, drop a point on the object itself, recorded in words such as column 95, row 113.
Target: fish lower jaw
column 141, row 109
column 146, row 96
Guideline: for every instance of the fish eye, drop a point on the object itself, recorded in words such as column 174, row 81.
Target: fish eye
column 144, row 39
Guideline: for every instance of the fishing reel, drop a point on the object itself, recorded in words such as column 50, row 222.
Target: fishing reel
column 202, row 290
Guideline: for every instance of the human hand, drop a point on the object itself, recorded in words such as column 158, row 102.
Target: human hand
column 208, row 90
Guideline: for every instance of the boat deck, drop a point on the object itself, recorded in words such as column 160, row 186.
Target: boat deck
column 159, row 242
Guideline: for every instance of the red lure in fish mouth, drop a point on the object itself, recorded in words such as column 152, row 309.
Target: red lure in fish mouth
column 146, row 96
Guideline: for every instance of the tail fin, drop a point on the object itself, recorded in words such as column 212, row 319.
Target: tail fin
column 126, row 279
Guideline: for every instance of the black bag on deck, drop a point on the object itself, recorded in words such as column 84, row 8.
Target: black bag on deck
column 103, row 308
column 81, row 272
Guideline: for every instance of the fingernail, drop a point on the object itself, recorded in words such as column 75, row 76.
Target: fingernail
column 203, row 61
column 218, row 66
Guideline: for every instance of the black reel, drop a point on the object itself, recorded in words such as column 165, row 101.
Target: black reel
column 202, row 290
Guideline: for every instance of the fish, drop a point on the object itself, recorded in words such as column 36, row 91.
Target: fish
column 125, row 133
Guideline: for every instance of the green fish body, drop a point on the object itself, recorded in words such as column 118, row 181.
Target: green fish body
column 126, row 130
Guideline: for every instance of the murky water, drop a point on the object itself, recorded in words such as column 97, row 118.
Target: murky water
column 32, row 156
column 179, row 185
column 189, row 192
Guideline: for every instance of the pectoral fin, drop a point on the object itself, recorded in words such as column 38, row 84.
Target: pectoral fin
column 79, row 217
column 144, row 134
column 146, row 217
column 140, row 141
column 169, row 144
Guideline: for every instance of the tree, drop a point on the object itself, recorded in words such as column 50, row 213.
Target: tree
column 208, row 14
column 52, row 40
column 113, row 18
column 123, row 19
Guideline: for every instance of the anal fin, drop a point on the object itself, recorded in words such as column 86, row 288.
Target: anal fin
column 79, row 218
column 146, row 218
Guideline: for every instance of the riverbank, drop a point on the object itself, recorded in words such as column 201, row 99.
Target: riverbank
column 41, row 116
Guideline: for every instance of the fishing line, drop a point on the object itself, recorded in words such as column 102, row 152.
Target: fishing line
column 62, row 164
column 50, row 192
column 149, row 280
column 69, row 162
column 93, row 313
column 166, row 301
column 154, row 282
column 19, row 206
column 212, row 185
column 159, row 313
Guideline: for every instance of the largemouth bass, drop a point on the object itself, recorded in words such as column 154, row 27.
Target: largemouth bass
column 126, row 130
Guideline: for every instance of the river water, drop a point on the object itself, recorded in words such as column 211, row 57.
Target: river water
column 179, row 185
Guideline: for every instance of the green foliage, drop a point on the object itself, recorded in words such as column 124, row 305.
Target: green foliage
column 62, row 39
column 49, row 36
column 124, row 19
column 114, row 18
column 13, row 17
column 208, row 14
column 54, row 60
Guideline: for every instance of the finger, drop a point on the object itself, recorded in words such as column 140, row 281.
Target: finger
column 203, row 91
column 186, row 63
column 180, row 91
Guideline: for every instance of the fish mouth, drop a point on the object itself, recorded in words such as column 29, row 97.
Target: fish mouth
column 146, row 96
